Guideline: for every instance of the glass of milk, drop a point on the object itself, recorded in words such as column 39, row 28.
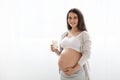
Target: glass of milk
column 55, row 44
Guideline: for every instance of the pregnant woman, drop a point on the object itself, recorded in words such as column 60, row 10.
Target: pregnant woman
column 74, row 49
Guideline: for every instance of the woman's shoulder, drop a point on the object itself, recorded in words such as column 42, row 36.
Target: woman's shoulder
column 85, row 35
column 64, row 34
column 84, row 32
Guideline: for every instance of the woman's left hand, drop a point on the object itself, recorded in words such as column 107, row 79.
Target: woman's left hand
column 71, row 70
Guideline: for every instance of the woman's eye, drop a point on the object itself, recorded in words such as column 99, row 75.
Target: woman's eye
column 69, row 18
column 75, row 17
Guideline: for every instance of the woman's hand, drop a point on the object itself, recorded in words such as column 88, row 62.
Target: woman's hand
column 54, row 49
column 71, row 70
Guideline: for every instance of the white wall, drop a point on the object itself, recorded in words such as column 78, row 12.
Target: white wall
column 28, row 26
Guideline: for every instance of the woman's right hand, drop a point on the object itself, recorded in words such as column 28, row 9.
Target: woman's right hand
column 54, row 49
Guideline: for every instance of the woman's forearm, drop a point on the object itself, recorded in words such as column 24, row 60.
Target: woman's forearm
column 57, row 52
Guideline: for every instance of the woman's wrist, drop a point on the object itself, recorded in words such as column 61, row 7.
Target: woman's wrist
column 57, row 52
column 76, row 67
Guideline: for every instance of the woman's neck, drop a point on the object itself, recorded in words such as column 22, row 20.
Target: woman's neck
column 74, row 30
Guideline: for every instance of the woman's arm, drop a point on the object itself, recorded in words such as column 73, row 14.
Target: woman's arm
column 59, row 49
column 86, row 48
column 63, row 36
column 55, row 50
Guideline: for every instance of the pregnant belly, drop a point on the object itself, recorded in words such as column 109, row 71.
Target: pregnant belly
column 68, row 58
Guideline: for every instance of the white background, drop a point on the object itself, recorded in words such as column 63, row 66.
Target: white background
column 27, row 28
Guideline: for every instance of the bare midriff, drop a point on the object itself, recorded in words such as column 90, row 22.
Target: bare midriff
column 68, row 58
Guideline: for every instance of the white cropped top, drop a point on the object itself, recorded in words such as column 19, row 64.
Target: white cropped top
column 71, row 42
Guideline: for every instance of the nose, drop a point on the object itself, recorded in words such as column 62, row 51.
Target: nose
column 72, row 20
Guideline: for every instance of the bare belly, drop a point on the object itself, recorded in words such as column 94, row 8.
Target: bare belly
column 68, row 58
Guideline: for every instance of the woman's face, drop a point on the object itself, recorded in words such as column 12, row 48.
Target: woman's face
column 72, row 19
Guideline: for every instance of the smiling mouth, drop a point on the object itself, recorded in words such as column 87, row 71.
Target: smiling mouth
column 73, row 23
